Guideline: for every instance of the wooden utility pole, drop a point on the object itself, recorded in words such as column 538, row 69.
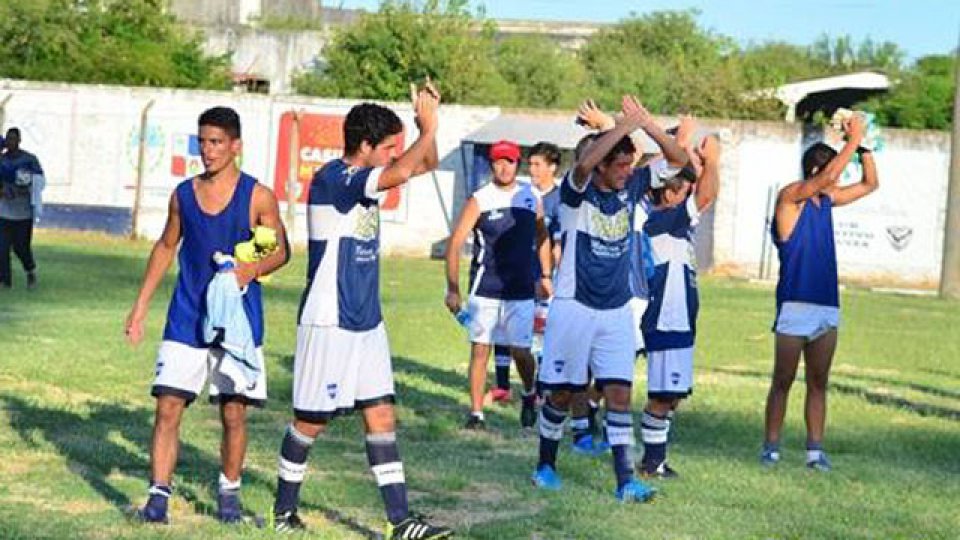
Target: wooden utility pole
column 950, row 267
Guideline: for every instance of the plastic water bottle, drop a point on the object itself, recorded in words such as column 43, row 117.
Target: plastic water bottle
column 464, row 318
column 224, row 262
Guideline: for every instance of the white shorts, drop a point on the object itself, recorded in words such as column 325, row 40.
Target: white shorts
column 501, row 322
column 182, row 371
column 637, row 307
column 808, row 321
column 670, row 373
column 337, row 370
column 579, row 338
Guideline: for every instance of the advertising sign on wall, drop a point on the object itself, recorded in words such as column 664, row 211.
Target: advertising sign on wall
column 319, row 139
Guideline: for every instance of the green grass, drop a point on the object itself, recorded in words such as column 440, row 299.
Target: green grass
column 75, row 422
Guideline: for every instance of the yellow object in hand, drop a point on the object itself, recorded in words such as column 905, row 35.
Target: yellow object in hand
column 265, row 238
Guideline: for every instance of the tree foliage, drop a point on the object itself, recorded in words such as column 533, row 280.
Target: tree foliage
column 378, row 57
column 103, row 41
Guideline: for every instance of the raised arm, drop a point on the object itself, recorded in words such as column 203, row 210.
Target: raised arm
column 421, row 157
column 268, row 215
column 675, row 155
column 466, row 223
column 827, row 178
column 868, row 183
column 164, row 250
column 624, row 125
column 708, row 181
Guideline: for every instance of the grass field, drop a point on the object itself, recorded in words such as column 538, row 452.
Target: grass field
column 75, row 422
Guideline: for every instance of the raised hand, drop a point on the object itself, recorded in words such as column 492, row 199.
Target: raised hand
column 685, row 130
column 855, row 127
column 426, row 101
column 591, row 116
column 634, row 113
column 709, row 149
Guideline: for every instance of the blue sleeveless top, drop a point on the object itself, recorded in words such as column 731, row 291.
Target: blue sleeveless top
column 202, row 236
column 808, row 259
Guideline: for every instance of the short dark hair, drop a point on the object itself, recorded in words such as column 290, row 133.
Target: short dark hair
column 13, row 131
column 816, row 158
column 224, row 118
column 368, row 122
column 548, row 151
column 623, row 146
column 672, row 183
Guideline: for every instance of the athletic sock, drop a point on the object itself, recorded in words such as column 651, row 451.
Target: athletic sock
column 551, row 431
column 654, row 431
column 384, row 458
column 619, row 426
column 580, row 426
column 814, row 451
column 592, row 415
column 502, row 359
column 292, row 468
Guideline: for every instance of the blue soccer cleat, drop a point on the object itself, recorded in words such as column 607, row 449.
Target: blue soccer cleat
column 821, row 464
column 228, row 508
column 584, row 446
column 546, row 478
column 769, row 457
column 635, row 491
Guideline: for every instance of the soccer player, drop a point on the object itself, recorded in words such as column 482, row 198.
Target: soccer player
column 208, row 213
column 669, row 322
column 543, row 162
column 808, row 303
column 506, row 219
column 342, row 360
column 591, row 324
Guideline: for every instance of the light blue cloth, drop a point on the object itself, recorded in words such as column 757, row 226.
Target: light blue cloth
column 226, row 325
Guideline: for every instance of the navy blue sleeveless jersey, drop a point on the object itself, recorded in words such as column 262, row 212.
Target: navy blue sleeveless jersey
column 808, row 258
column 202, row 236
column 504, row 239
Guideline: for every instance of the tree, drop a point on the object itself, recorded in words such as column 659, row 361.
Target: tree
column 922, row 98
column 380, row 55
column 104, row 41
column 541, row 74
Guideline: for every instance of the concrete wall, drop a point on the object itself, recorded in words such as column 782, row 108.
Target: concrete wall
column 87, row 140
column 86, row 137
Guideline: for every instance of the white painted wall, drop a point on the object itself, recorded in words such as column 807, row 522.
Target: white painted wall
column 86, row 139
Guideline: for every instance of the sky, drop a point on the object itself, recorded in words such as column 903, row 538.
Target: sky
column 920, row 27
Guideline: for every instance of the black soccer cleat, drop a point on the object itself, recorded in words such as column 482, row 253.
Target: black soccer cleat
column 416, row 527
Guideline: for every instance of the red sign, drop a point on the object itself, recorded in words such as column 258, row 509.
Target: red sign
column 319, row 140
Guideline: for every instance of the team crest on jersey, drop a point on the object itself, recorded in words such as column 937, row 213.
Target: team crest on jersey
column 610, row 228
column 368, row 223
column 530, row 203
column 495, row 215
column 332, row 390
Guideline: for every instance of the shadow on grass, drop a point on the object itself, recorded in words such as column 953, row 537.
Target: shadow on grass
column 91, row 445
column 877, row 398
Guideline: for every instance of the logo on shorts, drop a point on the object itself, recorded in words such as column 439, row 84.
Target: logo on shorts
column 159, row 369
column 332, row 390
column 675, row 378
column 558, row 366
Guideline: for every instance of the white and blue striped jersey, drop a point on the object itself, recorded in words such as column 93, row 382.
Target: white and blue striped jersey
column 671, row 317
column 343, row 273
column 504, row 242
column 596, row 229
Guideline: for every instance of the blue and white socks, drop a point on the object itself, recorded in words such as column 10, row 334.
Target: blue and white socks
column 384, row 458
column 292, row 468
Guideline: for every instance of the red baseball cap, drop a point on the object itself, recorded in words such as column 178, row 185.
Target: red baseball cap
column 505, row 150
